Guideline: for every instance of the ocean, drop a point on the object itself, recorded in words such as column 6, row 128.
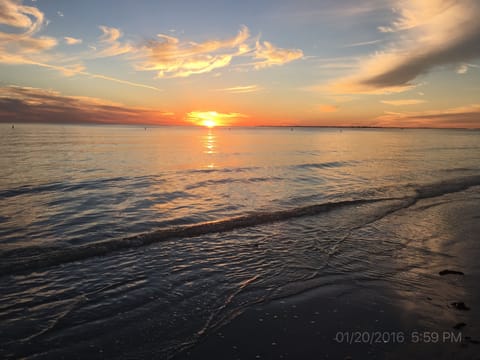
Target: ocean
column 128, row 242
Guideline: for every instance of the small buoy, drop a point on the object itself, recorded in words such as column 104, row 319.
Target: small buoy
column 13, row 126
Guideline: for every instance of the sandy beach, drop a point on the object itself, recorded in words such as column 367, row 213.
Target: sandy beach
column 363, row 321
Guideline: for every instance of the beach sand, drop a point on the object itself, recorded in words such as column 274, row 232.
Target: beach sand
column 418, row 316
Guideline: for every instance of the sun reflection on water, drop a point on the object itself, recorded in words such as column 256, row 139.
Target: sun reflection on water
column 209, row 142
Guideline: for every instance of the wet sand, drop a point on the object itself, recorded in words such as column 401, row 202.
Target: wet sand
column 380, row 321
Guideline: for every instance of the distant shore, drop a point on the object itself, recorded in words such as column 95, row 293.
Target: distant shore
column 142, row 125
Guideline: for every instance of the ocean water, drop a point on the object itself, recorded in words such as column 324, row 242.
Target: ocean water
column 168, row 233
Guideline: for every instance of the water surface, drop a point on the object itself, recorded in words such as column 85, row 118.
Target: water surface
column 96, row 239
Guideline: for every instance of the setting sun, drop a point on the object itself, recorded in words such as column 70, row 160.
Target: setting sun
column 210, row 123
column 213, row 118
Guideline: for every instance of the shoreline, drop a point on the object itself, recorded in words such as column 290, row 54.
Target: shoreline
column 329, row 322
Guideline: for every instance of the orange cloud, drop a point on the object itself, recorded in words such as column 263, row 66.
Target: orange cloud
column 241, row 89
column 430, row 34
column 72, row 41
column 28, row 48
column 403, row 102
column 13, row 14
column 18, row 48
column 271, row 55
column 465, row 116
column 170, row 57
column 417, row 13
column 110, row 44
column 26, row 104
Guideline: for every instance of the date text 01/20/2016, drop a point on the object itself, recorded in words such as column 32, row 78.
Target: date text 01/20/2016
column 398, row 337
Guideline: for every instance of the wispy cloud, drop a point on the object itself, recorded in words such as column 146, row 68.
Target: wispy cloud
column 18, row 47
column 403, row 102
column 110, row 44
column 171, row 57
column 270, row 55
column 429, row 34
column 241, row 89
column 72, row 41
column 14, row 14
column 79, row 69
column 338, row 63
column 26, row 104
column 463, row 68
column 307, row 11
column 23, row 44
column 465, row 116
column 364, row 43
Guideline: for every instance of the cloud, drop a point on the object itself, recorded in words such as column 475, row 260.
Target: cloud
column 67, row 70
column 271, row 55
column 78, row 69
column 241, row 89
column 110, row 34
column 110, row 44
column 462, row 69
column 170, row 57
column 326, row 11
column 72, row 41
column 13, row 14
column 26, row 104
column 21, row 43
column 403, row 102
column 428, row 34
column 335, row 63
column 222, row 119
column 465, row 116
column 363, row 43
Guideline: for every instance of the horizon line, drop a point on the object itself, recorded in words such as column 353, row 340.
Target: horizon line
column 146, row 125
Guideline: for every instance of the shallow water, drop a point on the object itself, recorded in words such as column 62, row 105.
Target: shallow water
column 107, row 231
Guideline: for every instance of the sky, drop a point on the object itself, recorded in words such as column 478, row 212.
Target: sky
column 400, row 63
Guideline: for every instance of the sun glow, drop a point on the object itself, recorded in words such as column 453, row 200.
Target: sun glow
column 210, row 123
column 212, row 119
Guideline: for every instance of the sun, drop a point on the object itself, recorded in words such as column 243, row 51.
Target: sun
column 210, row 123
column 209, row 119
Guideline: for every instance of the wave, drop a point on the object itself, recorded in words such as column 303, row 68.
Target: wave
column 323, row 165
column 32, row 258
column 223, row 170
column 224, row 181
column 446, row 186
column 39, row 257
column 65, row 186
column 136, row 181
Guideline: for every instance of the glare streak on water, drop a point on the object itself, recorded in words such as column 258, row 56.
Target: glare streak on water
column 69, row 187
